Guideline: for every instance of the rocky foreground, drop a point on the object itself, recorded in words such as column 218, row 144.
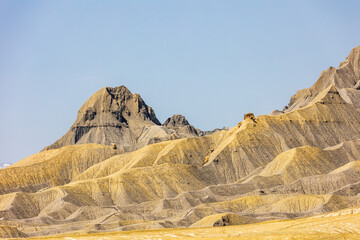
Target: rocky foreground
column 119, row 168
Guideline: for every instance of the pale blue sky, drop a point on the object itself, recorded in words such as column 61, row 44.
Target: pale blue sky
column 211, row 61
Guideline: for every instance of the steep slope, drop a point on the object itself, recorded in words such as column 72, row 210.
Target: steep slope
column 111, row 115
column 115, row 115
column 345, row 78
column 306, row 161
column 310, row 170
column 181, row 126
column 11, row 232
column 52, row 167
column 154, row 175
column 299, row 162
column 175, row 127
column 294, row 164
column 234, row 154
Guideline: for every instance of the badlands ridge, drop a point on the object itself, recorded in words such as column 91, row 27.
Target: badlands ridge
column 118, row 168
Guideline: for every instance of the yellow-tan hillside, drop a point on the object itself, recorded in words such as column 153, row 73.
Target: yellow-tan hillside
column 336, row 225
column 291, row 165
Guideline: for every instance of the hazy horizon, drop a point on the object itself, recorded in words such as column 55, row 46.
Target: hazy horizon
column 211, row 61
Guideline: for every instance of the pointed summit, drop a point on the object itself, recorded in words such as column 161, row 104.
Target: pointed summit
column 114, row 105
column 111, row 115
column 181, row 126
column 344, row 78
column 176, row 121
column 118, row 117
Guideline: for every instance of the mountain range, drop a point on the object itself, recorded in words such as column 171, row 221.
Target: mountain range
column 119, row 168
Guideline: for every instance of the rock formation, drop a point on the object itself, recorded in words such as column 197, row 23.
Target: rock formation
column 116, row 116
column 181, row 126
column 111, row 115
column 222, row 219
column 299, row 163
column 345, row 78
column 249, row 115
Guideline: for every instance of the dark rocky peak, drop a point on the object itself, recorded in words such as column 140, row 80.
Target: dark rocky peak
column 119, row 93
column 116, row 91
column 111, row 115
column 176, row 121
column 113, row 106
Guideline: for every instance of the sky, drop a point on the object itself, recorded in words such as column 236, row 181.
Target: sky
column 211, row 61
